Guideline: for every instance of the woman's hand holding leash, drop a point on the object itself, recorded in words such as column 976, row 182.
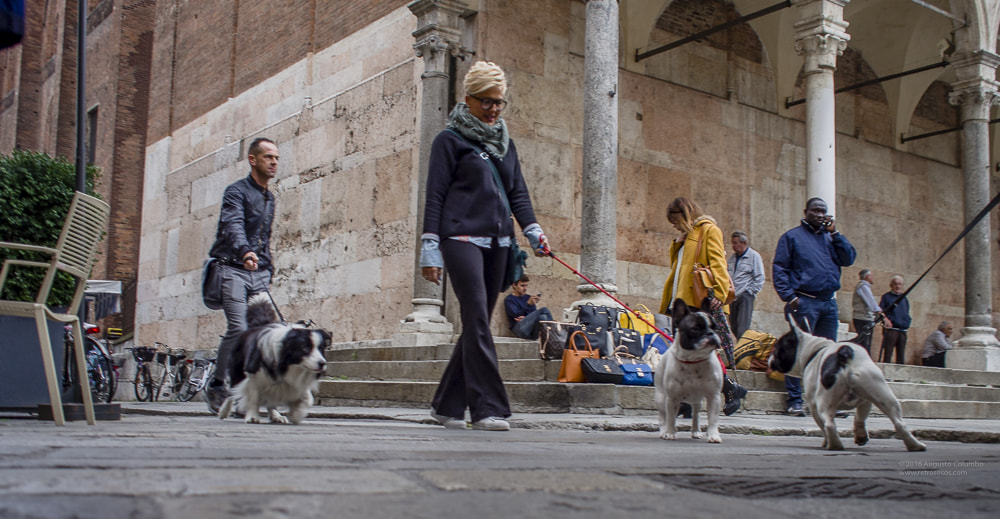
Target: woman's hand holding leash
column 432, row 274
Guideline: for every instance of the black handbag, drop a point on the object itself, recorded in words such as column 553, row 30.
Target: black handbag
column 602, row 371
column 597, row 322
column 211, row 284
column 599, row 338
column 627, row 338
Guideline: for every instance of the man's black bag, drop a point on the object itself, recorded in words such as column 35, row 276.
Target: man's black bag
column 211, row 284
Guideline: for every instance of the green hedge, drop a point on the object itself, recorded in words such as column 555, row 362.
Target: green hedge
column 35, row 193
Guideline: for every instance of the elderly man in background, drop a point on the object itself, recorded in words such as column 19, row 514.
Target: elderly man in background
column 936, row 345
column 746, row 269
column 897, row 321
column 864, row 310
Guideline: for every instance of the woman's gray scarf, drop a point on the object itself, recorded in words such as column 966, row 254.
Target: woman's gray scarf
column 494, row 138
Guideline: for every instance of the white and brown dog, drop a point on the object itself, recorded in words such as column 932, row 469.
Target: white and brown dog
column 838, row 376
column 274, row 364
column 689, row 372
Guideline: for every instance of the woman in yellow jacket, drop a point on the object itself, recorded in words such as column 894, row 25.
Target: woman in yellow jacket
column 700, row 243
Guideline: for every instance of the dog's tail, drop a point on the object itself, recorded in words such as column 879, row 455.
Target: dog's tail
column 260, row 311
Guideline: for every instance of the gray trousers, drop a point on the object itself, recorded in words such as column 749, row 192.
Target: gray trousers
column 238, row 285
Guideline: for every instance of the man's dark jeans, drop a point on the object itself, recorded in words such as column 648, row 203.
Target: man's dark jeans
column 527, row 328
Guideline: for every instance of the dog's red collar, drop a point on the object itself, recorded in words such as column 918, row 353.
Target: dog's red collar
column 691, row 361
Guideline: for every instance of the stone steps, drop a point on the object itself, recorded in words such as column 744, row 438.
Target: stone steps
column 377, row 374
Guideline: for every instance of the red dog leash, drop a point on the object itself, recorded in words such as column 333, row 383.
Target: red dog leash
column 549, row 253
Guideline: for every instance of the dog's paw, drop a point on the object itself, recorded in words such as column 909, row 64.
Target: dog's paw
column 696, row 434
column 861, row 440
column 916, row 447
column 715, row 438
column 668, row 436
column 276, row 417
column 252, row 419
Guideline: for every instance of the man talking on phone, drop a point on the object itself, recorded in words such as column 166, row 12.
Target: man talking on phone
column 521, row 311
column 806, row 274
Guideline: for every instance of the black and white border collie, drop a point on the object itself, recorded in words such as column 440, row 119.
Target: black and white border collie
column 274, row 364
column 838, row 376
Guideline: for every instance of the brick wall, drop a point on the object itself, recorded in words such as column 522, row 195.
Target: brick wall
column 686, row 17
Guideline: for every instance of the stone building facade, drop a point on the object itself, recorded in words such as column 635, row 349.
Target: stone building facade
column 338, row 86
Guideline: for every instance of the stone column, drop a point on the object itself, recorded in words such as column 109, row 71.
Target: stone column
column 820, row 35
column 600, row 151
column 438, row 37
column 975, row 92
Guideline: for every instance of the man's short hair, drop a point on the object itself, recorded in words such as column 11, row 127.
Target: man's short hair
column 741, row 235
column 812, row 200
column 524, row 278
column 864, row 273
column 255, row 146
column 943, row 325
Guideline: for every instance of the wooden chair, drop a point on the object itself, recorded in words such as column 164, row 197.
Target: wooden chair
column 73, row 254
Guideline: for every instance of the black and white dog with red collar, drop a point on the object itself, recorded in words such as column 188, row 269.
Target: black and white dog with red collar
column 690, row 372
column 274, row 364
column 838, row 376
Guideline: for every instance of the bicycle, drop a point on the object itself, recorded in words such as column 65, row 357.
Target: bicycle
column 100, row 366
column 143, row 356
column 168, row 367
column 202, row 371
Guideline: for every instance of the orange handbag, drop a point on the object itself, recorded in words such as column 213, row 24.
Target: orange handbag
column 570, row 370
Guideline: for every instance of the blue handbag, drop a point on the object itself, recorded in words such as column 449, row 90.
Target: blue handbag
column 637, row 375
column 654, row 340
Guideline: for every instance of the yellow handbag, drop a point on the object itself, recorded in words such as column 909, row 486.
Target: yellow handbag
column 631, row 320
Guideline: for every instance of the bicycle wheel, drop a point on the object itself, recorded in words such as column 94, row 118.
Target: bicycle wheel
column 179, row 378
column 101, row 378
column 143, row 384
column 192, row 383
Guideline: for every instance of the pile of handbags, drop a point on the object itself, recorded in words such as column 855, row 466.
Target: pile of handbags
column 606, row 345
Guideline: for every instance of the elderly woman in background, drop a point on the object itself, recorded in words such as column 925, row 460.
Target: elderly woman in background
column 468, row 229
column 700, row 242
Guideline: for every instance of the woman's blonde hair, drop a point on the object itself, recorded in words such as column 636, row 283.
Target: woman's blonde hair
column 483, row 76
column 686, row 211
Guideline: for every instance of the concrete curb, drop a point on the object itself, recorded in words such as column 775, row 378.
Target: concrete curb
column 968, row 431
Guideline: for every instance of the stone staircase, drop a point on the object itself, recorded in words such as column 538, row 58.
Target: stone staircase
column 377, row 374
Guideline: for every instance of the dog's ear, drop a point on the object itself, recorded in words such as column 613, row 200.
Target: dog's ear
column 706, row 305
column 678, row 310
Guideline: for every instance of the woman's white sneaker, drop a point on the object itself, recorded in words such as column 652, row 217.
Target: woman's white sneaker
column 492, row 423
column 448, row 422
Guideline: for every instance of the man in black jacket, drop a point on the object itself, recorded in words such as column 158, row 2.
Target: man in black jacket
column 243, row 248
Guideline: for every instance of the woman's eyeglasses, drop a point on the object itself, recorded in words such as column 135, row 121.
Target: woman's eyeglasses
column 488, row 103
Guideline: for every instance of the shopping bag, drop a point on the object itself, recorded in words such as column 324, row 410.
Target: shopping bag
column 573, row 355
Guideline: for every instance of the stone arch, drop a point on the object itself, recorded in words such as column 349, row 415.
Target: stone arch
column 727, row 63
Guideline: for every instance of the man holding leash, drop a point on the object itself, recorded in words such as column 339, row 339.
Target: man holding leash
column 806, row 273
column 243, row 248
column 897, row 321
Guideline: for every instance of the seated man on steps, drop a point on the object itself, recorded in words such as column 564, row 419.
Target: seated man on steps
column 521, row 311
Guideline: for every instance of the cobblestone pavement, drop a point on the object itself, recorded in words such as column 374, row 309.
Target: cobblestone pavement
column 189, row 464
